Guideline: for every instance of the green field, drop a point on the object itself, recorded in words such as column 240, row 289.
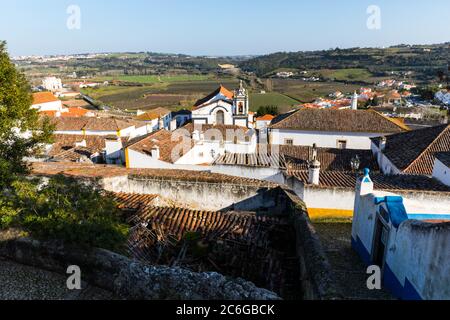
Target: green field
column 345, row 74
column 174, row 95
column 150, row 79
column 283, row 102
column 309, row 91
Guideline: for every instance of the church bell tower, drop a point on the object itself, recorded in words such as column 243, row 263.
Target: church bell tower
column 241, row 102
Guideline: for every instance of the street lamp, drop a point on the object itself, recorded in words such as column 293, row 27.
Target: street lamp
column 355, row 163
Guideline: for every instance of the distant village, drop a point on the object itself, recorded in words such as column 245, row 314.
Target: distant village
column 367, row 155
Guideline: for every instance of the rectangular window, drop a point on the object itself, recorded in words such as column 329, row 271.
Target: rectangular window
column 289, row 142
column 342, row 144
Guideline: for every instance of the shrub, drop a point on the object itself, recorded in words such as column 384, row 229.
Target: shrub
column 65, row 209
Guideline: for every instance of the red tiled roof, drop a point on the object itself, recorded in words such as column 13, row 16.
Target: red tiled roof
column 336, row 120
column 347, row 180
column 414, row 152
column 163, row 139
column 43, row 97
column 267, row 117
column 221, row 90
column 154, row 114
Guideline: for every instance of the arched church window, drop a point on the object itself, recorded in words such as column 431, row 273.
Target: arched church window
column 220, row 117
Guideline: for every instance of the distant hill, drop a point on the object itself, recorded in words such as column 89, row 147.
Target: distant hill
column 423, row 60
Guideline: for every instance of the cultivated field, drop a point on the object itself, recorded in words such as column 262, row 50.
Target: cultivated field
column 284, row 103
column 309, row 91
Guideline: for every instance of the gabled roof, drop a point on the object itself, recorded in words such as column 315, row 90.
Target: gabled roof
column 64, row 142
column 154, row 114
column 327, row 120
column 163, row 140
column 94, row 124
column 221, row 93
column 414, row 152
column 347, row 180
column 43, row 97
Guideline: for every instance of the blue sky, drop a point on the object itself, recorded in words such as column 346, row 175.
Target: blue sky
column 211, row 27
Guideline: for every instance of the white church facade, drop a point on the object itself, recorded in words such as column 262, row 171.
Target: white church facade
column 224, row 107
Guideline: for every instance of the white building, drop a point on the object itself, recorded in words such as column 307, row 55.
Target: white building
column 443, row 96
column 52, row 84
column 441, row 170
column 223, row 107
column 407, row 238
column 342, row 129
column 411, row 152
column 158, row 118
column 264, row 121
column 190, row 147
column 46, row 101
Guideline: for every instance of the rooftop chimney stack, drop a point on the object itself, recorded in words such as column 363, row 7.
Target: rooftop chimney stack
column 383, row 142
column 314, row 169
column 161, row 124
column 155, row 152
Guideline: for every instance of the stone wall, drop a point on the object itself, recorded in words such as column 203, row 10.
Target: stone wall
column 129, row 279
column 197, row 194
column 317, row 277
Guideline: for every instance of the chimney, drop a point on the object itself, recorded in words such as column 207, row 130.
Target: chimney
column 161, row 124
column 173, row 125
column 383, row 142
column 314, row 172
column 155, row 152
column 314, row 168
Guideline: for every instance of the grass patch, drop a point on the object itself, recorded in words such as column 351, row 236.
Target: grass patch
column 258, row 100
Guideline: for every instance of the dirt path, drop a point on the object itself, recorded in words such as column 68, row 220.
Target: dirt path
column 350, row 271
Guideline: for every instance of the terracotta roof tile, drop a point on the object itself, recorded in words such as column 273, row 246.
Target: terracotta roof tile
column 347, row 180
column 220, row 91
column 154, row 114
column 163, row 139
column 104, row 171
column 336, row 120
column 414, row 152
column 43, row 97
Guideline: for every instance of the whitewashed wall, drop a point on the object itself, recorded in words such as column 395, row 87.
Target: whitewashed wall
column 386, row 166
column 49, row 106
column 323, row 139
column 441, row 172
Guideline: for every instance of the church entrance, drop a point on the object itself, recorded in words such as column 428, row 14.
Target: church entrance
column 220, row 117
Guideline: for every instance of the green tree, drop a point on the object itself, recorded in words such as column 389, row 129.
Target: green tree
column 21, row 132
column 271, row 109
column 60, row 209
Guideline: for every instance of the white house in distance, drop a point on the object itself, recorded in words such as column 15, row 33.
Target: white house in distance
column 46, row 101
column 158, row 118
column 52, row 84
column 411, row 152
column 327, row 128
column 223, row 107
column 190, row 147
column 264, row 121
column 441, row 170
